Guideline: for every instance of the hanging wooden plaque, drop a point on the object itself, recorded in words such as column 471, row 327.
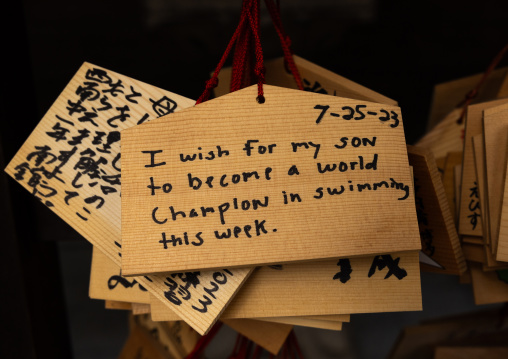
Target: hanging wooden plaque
column 232, row 182
column 437, row 229
column 469, row 213
column 344, row 286
column 495, row 124
column 71, row 163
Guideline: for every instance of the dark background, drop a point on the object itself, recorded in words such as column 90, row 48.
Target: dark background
column 398, row 48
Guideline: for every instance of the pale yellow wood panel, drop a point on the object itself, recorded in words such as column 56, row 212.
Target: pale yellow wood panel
column 495, row 125
column 449, row 95
column 106, row 283
column 273, row 287
column 469, row 220
column 140, row 308
column 305, row 322
column 315, row 79
column 437, row 229
column 112, row 304
column 71, row 160
column 270, row 336
column 452, row 159
column 487, row 287
column 502, row 247
column 72, row 163
column 457, row 172
column 287, row 116
column 479, row 163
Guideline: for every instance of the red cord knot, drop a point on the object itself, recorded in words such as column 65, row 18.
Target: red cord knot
column 212, row 83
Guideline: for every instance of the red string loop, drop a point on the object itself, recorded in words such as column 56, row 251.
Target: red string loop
column 204, row 341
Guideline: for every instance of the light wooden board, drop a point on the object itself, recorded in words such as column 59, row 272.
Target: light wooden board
column 487, row 287
column 106, row 283
column 452, row 159
column 315, row 79
column 458, row 180
column 345, row 318
column 495, row 124
column 449, row 94
column 160, row 313
column 270, row 336
column 437, row 230
column 275, row 287
column 68, row 187
column 140, row 308
column 479, row 163
column 469, row 220
column 502, row 247
column 305, row 322
column 112, row 304
column 365, row 226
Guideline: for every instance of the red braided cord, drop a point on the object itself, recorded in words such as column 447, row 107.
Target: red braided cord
column 212, row 83
column 285, row 41
column 259, row 68
column 474, row 92
column 240, row 74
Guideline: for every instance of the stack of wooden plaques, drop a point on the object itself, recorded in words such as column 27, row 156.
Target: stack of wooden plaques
column 296, row 211
column 470, row 147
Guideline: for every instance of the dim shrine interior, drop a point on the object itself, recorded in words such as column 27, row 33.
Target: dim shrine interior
column 392, row 47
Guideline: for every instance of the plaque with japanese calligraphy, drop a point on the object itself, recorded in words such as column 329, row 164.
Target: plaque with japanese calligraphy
column 71, row 163
column 232, row 182
column 469, row 213
column 107, row 283
column 495, row 124
column 437, row 229
column 342, row 285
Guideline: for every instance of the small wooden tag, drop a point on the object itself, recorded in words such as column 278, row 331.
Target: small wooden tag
column 449, row 94
column 479, row 163
column 437, row 229
column 71, row 163
column 495, row 123
column 343, row 287
column 106, row 283
column 244, row 176
column 270, row 336
column 469, row 216
column 453, row 159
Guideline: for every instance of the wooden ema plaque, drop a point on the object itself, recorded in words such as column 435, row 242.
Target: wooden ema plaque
column 107, row 283
column 470, row 222
column 437, row 229
column 232, row 182
column 344, row 286
column 71, row 163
